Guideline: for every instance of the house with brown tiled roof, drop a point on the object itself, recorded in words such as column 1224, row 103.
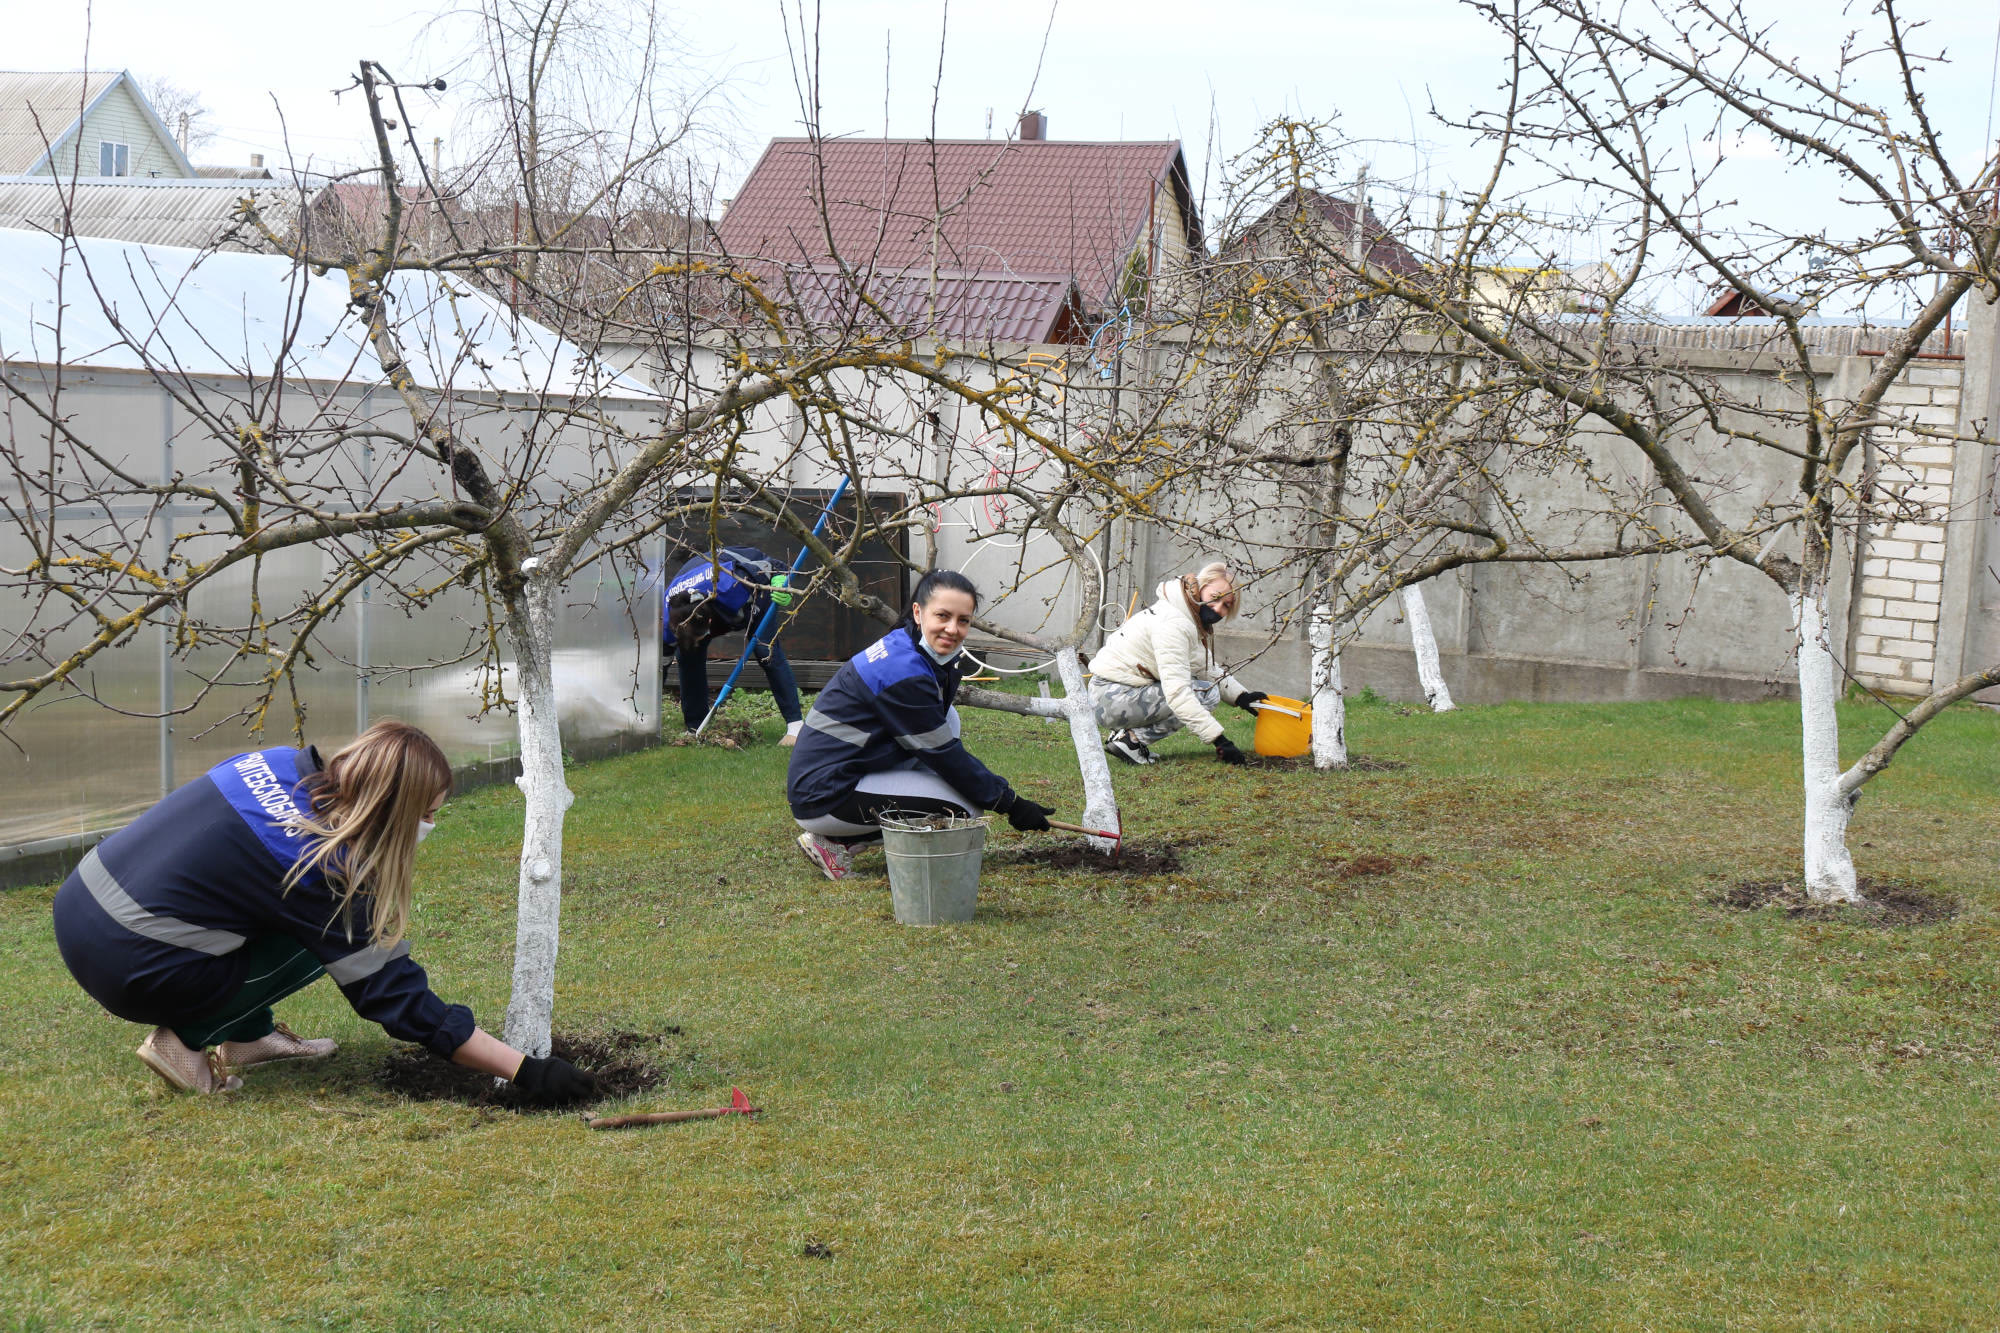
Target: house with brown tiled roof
column 1336, row 222
column 1017, row 240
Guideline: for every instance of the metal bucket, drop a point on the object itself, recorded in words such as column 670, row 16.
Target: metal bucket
column 933, row 865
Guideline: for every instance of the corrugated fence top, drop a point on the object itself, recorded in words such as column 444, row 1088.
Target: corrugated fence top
column 100, row 304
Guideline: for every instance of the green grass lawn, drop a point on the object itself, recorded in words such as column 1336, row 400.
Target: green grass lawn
column 1530, row 1077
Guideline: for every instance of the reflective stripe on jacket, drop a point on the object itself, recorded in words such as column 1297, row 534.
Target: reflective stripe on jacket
column 736, row 585
column 885, row 706
column 154, row 920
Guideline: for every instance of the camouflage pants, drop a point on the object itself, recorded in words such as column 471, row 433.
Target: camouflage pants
column 1142, row 709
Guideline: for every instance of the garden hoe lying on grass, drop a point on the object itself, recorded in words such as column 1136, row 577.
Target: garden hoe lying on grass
column 738, row 1105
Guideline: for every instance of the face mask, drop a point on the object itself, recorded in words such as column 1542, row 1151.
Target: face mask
column 424, row 827
column 1210, row 616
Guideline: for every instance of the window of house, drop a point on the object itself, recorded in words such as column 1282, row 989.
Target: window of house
column 114, row 159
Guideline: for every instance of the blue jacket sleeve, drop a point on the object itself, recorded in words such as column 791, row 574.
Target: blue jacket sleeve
column 918, row 721
column 385, row 985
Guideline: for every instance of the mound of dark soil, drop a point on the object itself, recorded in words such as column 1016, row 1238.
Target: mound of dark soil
column 1356, row 763
column 622, row 1062
column 725, row 733
column 1884, row 903
column 1137, row 857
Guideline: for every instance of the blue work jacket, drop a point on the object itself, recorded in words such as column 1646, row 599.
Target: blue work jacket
column 153, row 922
column 885, row 706
column 736, row 586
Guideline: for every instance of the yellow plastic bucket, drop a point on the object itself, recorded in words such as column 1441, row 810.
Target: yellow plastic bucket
column 1284, row 727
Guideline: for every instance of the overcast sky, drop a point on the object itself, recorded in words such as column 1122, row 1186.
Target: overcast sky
column 1206, row 73
column 1114, row 69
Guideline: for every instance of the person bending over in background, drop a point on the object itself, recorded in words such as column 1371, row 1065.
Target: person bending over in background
column 1157, row 673
column 883, row 735
column 259, row 877
column 713, row 597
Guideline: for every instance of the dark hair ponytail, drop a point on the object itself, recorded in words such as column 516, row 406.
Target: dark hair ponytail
column 934, row 582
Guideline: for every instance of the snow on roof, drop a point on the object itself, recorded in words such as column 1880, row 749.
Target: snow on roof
column 119, row 305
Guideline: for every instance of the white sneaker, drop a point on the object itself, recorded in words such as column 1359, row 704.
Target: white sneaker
column 829, row 858
column 1129, row 748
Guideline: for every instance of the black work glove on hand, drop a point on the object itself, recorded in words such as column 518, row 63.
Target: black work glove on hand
column 1028, row 817
column 1249, row 699
column 1226, row 751
column 553, row 1081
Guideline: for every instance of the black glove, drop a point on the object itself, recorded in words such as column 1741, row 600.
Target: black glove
column 1249, row 699
column 553, row 1081
column 1226, row 751
column 1028, row 817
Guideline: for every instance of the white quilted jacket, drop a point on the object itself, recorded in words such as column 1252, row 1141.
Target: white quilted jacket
column 1162, row 643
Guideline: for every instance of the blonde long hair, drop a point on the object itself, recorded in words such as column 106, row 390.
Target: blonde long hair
column 364, row 810
column 1191, row 586
column 1208, row 573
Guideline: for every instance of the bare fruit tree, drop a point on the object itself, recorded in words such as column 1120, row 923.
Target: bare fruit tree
column 1626, row 112
column 1343, row 446
column 404, row 421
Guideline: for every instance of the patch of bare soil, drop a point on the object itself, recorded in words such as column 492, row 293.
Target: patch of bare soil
column 1887, row 904
column 725, row 733
column 622, row 1062
column 1356, row 763
column 1137, row 857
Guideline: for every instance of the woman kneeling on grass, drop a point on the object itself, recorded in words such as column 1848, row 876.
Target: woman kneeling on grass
column 1158, row 672
column 254, row 880
column 883, row 735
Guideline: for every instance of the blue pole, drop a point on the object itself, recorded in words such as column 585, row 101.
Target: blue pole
column 770, row 612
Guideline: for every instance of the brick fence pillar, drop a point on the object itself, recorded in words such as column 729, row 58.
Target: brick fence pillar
column 1903, row 564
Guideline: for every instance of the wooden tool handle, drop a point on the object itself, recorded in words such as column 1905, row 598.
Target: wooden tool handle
column 1090, row 832
column 658, row 1118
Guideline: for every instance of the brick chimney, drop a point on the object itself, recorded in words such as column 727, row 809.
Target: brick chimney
column 1034, row 127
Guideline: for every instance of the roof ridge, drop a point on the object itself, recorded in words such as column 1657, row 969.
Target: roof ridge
column 997, row 143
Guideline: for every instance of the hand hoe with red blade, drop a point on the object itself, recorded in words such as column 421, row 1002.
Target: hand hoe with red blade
column 738, row 1105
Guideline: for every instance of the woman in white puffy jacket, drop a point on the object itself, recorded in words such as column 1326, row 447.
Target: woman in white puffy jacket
column 1158, row 672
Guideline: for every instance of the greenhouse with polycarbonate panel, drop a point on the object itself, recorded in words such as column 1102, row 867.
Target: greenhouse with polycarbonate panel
column 136, row 378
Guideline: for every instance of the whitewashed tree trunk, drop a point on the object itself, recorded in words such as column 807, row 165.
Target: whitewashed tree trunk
column 1100, row 800
column 532, row 622
column 1329, row 729
column 1829, row 868
column 1429, row 673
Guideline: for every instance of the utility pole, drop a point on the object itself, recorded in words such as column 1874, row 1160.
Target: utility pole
column 1357, row 246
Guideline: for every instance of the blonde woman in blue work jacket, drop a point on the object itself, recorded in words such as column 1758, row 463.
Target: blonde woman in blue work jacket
column 266, row 873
